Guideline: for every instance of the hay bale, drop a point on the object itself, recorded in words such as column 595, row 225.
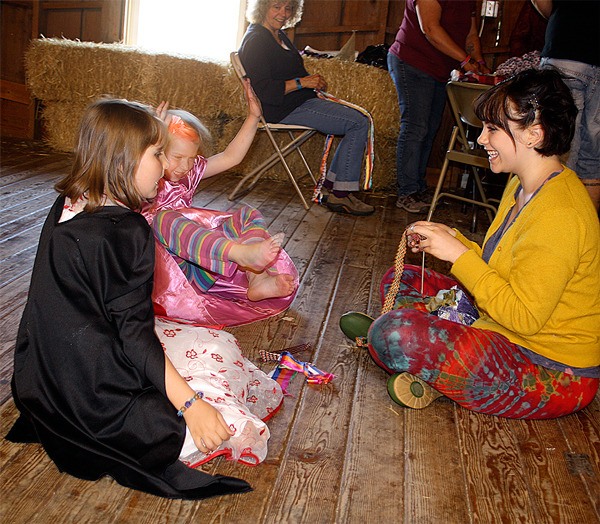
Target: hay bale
column 61, row 121
column 232, row 102
column 198, row 87
column 59, row 69
column 66, row 76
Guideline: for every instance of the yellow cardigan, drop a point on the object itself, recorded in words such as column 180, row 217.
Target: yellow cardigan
column 541, row 288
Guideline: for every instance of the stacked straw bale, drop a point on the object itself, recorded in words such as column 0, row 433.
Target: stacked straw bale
column 66, row 76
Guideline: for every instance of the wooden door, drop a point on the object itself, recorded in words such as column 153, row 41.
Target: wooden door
column 22, row 20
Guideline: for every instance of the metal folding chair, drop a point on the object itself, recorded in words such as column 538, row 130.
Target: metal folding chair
column 250, row 180
column 461, row 96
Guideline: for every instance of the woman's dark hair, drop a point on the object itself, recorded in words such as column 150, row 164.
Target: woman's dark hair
column 531, row 97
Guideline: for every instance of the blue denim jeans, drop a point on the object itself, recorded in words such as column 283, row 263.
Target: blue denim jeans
column 584, row 82
column 421, row 100
column 336, row 119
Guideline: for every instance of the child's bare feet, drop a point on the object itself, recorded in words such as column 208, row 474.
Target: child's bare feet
column 256, row 256
column 263, row 285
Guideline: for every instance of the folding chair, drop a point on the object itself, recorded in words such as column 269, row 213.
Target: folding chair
column 461, row 96
column 280, row 153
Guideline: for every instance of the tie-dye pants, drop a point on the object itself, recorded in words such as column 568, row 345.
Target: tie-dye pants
column 479, row 369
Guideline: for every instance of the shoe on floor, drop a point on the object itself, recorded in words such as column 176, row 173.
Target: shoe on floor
column 425, row 195
column 355, row 325
column 412, row 204
column 349, row 204
column 410, row 391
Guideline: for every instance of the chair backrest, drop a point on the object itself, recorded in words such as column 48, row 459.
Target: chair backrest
column 240, row 72
column 461, row 96
column 238, row 67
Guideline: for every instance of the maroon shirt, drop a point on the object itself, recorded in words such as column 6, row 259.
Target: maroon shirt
column 413, row 48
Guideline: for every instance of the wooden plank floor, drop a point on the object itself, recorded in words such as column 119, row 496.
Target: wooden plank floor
column 339, row 453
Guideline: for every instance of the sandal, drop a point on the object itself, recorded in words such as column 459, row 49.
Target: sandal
column 410, row 391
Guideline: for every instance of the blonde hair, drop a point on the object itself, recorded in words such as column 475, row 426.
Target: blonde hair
column 188, row 126
column 113, row 136
column 256, row 11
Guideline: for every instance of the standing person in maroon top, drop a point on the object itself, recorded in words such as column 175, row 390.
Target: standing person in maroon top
column 435, row 37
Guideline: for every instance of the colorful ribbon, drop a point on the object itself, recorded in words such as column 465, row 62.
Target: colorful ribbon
column 369, row 158
column 288, row 366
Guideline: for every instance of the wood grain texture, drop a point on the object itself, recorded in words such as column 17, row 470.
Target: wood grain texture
column 341, row 453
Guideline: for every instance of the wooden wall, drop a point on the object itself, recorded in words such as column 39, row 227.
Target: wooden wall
column 22, row 20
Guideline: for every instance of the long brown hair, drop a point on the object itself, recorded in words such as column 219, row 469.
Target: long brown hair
column 113, row 136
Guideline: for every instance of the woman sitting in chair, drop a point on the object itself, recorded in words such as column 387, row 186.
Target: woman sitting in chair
column 534, row 350
column 288, row 95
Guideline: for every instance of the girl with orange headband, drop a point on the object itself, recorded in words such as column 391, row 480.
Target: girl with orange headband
column 213, row 268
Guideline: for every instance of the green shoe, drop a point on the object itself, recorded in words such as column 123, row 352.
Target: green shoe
column 410, row 391
column 355, row 325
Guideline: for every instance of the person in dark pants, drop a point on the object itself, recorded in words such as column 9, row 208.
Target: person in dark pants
column 435, row 37
column 573, row 47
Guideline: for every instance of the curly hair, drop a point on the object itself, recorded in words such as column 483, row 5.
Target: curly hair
column 113, row 136
column 532, row 97
column 256, row 11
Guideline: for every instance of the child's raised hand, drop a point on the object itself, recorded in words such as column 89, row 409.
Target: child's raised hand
column 254, row 107
column 162, row 112
column 207, row 426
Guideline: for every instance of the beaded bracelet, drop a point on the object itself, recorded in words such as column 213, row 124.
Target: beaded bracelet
column 188, row 403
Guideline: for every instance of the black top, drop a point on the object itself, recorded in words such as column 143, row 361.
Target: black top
column 572, row 31
column 268, row 65
column 89, row 375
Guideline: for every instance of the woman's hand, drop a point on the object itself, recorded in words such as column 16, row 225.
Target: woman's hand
column 471, row 67
column 254, row 107
column 435, row 239
column 314, row 82
column 484, row 70
column 207, row 426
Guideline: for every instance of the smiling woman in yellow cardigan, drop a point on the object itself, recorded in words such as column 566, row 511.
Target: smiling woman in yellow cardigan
column 534, row 351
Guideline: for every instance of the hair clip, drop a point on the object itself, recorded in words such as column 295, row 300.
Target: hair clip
column 176, row 124
column 178, row 127
column 533, row 102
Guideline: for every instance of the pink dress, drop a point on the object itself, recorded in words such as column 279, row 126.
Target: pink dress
column 225, row 302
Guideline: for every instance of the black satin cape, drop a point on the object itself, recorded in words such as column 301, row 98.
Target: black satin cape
column 89, row 377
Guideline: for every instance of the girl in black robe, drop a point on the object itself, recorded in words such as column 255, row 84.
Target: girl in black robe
column 91, row 380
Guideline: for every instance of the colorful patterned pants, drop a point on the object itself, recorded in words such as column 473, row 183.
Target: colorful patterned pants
column 479, row 369
column 202, row 252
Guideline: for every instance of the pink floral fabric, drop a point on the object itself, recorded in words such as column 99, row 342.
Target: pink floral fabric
column 211, row 361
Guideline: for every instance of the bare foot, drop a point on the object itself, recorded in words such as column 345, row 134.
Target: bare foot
column 256, row 256
column 263, row 285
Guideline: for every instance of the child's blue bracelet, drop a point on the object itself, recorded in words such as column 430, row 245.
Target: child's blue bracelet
column 188, row 403
column 298, row 84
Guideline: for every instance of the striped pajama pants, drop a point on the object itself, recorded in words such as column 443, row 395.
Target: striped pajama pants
column 201, row 253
